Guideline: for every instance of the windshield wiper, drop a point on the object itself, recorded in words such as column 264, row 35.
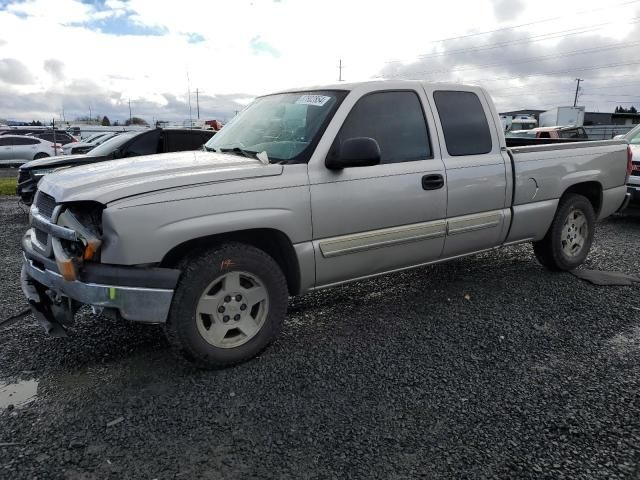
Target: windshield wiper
column 209, row 149
column 241, row 151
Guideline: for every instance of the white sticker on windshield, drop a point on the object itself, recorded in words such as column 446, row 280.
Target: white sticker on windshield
column 316, row 100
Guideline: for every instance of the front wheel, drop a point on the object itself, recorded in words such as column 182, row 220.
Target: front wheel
column 229, row 305
column 568, row 241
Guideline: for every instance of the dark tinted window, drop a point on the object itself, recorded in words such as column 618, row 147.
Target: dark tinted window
column 147, row 143
column 182, row 141
column 466, row 131
column 5, row 142
column 573, row 133
column 61, row 137
column 395, row 120
column 25, row 141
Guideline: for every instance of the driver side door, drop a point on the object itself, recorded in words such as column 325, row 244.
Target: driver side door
column 375, row 219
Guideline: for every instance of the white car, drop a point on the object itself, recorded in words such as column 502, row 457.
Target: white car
column 87, row 145
column 18, row 149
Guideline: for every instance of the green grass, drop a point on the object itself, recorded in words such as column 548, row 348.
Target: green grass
column 8, row 186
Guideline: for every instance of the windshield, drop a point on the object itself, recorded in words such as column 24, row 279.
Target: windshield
column 113, row 144
column 285, row 126
column 92, row 138
column 634, row 136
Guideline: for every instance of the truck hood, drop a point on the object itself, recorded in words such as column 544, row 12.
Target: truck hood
column 108, row 181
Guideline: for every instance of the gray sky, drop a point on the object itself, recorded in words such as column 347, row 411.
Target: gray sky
column 76, row 56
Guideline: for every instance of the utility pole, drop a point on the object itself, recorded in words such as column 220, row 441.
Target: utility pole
column 198, row 103
column 130, row 111
column 90, row 117
column 340, row 70
column 189, row 95
column 575, row 99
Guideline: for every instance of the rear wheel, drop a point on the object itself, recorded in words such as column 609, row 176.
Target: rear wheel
column 229, row 305
column 568, row 241
column 40, row 155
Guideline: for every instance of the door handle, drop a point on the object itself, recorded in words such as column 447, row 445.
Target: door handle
column 432, row 182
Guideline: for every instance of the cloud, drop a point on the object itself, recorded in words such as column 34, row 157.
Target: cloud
column 55, row 68
column 14, row 72
column 82, row 96
column 519, row 71
column 259, row 46
column 507, row 9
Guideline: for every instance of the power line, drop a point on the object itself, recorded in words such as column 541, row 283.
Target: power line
column 532, row 39
column 535, row 23
column 526, row 25
column 536, row 59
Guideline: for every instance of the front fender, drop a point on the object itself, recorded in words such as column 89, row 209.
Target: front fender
column 146, row 233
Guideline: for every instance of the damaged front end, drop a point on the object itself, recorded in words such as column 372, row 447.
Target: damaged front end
column 69, row 235
column 62, row 270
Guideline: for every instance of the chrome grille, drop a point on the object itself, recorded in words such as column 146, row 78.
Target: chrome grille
column 45, row 204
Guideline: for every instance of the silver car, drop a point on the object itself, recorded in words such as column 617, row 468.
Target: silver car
column 18, row 149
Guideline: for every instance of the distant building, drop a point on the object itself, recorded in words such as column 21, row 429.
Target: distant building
column 599, row 118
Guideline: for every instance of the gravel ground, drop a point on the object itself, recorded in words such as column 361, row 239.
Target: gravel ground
column 487, row 367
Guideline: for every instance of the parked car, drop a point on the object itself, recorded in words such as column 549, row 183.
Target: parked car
column 60, row 137
column 633, row 137
column 306, row 189
column 18, row 149
column 124, row 145
column 22, row 130
column 88, row 144
column 561, row 132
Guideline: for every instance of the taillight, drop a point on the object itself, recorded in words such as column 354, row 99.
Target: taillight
column 629, row 160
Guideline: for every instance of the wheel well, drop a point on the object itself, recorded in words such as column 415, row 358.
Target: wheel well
column 591, row 190
column 273, row 242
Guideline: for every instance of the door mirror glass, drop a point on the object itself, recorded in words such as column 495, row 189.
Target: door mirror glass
column 355, row 152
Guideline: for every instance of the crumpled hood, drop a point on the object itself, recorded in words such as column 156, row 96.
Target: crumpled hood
column 108, row 181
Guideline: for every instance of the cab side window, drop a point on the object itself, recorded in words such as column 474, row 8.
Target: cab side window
column 395, row 120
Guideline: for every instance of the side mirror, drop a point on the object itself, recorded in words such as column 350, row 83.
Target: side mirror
column 355, row 152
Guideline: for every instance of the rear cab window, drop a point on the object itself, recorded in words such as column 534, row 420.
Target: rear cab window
column 464, row 123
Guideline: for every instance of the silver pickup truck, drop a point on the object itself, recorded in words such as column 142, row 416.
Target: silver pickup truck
column 306, row 189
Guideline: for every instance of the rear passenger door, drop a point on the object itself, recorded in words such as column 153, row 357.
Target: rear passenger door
column 477, row 213
column 6, row 148
column 369, row 220
column 25, row 148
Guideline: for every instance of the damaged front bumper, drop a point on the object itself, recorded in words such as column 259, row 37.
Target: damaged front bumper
column 141, row 294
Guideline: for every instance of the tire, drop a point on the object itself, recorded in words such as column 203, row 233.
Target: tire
column 40, row 155
column 569, row 238
column 222, row 291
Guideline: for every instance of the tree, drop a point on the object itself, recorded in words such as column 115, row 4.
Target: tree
column 106, row 122
column 633, row 109
column 136, row 121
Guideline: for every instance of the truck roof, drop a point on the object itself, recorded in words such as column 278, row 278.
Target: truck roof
column 382, row 84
